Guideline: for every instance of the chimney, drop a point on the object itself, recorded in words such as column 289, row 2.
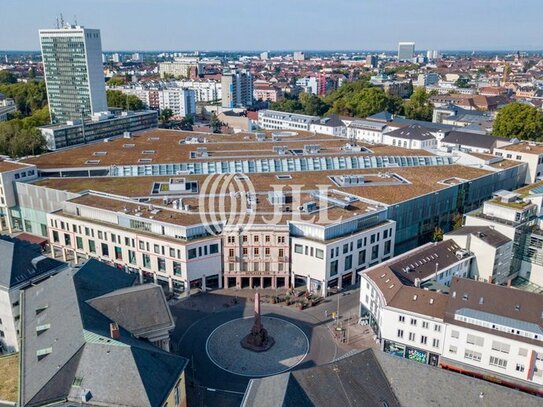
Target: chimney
column 114, row 330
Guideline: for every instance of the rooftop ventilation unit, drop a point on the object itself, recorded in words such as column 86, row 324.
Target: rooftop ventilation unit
column 277, row 198
column 347, row 180
column 260, row 136
column 312, row 149
column 282, row 150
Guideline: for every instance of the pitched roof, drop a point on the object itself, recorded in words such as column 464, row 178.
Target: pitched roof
column 485, row 233
column 78, row 352
column 472, row 139
column 124, row 307
column 412, row 132
column 373, row 378
column 490, row 302
column 23, row 262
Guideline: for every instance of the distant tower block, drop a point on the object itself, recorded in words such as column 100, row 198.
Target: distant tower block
column 258, row 339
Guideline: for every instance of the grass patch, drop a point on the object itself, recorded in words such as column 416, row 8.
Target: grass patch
column 9, row 374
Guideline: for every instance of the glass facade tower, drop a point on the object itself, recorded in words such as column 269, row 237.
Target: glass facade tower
column 72, row 62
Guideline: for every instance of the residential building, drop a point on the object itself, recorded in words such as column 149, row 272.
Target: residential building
column 299, row 56
column 331, row 125
column 412, row 137
column 98, row 127
column 406, row 51
column 530, row 153
column 427, row 79
column 72, row 65
column 493, row 252
column 372, row 61
column 23, row 266
column 237, row 89
column 366, row 130
column 264, row 55
column 180, row 67
column 181, row 101
column 266, row 92
column 275, row 120
column 205, row 90
column 10, row 173
column 372, row 378
column 494, row 332
column 102, row 351
column 471, row 142
column 481, row 329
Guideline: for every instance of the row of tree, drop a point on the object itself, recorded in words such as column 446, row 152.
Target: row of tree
column 359, row 99
column 116, row 98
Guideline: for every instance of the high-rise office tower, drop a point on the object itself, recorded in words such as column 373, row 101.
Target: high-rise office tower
column 237, row 89
column 406, row 51
column 72, row 63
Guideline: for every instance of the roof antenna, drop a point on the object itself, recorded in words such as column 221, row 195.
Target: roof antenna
column 75, row 19
column 58, row 24
column 61, row 20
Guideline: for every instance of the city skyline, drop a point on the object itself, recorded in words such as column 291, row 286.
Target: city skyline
column 232, row 25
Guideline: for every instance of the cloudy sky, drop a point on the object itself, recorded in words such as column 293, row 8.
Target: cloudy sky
column 283, row 24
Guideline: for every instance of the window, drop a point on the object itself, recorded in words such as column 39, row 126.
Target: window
column 387, row 247
column 298, row 248
column 452, row 349
column 192, row 253
column 345, row 248
column 361, row 257
column 92, row 246
column 475, row 340
column 348, row 262
column 411, row 336
column 400, row 333
column 425, row 324
column 79, row 242
column 519, row 367
column 437, row 328
column 131, row 257
column 472, row 355
column 255, row 238
column 455, row 334
column 319, row 253
column 118, row 253
column 435, row 343
column 105, row 249
column 501, row 347
column 146, row 260
column 176, row 268
column 156, row 249
column 413, row 322
column 281, row 239
column 333, row 268
column 256, row 251
column 245, row 251
column 161, row 264
column 374, row 252
column 501, row 363
column 423, row 339
column 55, row 237
column 214, row 248
column 523, row 352
column 401, row 318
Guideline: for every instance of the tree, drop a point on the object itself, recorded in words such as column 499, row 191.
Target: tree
column 18, row 141
column 457, row 221
column 418, row 106
column 519, row 120
column 28, row 97
column 166, row 114
column 462, row 82
column 7, row 77
column 215, row 123
column 116, row 81
column 116, row 98
column 437, row 236
column 313, row 105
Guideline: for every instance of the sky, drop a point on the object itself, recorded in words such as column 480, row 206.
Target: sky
column 283, row 24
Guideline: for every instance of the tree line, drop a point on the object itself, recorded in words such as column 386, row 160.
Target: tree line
column 359, row 99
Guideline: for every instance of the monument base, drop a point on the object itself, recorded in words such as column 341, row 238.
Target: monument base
column 251, row 344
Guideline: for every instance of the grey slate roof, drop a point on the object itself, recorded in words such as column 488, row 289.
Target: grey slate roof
column 412, row 132
column 124, row 307
column 472, row 139
column 372, row 378
column 23, row 262
column 485, row 233
column 125, row 371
